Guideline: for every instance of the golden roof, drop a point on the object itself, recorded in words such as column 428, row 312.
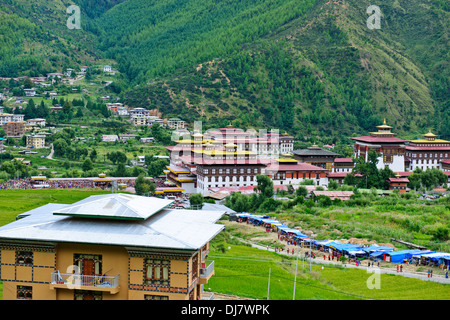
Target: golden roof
column 223, row 152
column 287, row 160
column 384, row 126
column 429, row 135
column 230, row 145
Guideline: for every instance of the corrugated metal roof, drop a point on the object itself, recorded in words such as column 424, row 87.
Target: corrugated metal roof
column 165, row 229
column 118, row 205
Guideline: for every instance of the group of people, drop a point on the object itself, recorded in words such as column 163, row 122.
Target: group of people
column 79, row 183
column 16, row 184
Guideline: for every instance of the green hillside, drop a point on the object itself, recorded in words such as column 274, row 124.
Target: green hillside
column 322, row 74
column 35, row 38
column 311, row 67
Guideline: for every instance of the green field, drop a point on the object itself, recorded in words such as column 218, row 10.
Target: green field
column 15, row 202
column 244, row 271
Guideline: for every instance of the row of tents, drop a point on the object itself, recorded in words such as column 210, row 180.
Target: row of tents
column 374, row 251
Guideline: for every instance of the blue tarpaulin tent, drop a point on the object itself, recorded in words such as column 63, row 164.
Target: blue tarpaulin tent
column 294, row 231
column 399, row 256
column 377, row 253
column 375, row 248
column 435, row 256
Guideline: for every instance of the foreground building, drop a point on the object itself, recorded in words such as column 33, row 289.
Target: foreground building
column 107, row 247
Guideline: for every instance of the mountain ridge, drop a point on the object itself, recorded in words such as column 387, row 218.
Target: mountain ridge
column 310, row 67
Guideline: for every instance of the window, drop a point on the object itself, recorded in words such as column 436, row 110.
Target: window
column 157, row 271
column 24, row 292
column 87, row 295
column 88, row 264
column 24, row 258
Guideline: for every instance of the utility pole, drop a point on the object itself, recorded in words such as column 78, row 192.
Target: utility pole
column 268, row 286
column 303, row 255
column 309, row 255
column 295, row 279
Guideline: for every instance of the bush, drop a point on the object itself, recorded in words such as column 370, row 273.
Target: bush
column 440, row 234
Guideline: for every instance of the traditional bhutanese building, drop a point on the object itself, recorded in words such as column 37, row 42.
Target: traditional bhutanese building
column 426, row 153
column 384, row 142
column 108, row 247
column 268, row 144
column 343, row 165
column 285, row 171
column 223, row 166
column 181, row 177
column 228, row 157
column 316, row 156
column 445, row 165
column 339, row 177
column 399, row 184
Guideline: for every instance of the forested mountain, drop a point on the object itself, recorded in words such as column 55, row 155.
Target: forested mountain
column 311, row 67
column 35, row 40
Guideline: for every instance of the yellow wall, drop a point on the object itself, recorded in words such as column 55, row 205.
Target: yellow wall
column 37, row 275
column 115, row 261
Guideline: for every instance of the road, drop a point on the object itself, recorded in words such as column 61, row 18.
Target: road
column 52, row 151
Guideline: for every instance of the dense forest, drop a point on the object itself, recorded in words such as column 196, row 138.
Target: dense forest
column 311, row 67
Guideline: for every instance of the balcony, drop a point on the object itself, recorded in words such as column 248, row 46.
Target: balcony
column 206, row 272
column 75, row 281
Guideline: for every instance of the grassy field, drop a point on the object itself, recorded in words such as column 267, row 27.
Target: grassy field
column 15, row 202
column 244, row 271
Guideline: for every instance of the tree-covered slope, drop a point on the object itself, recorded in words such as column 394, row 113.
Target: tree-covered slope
column 151, row 39
column 323, row 73
column 311, row 67
column 35, row 39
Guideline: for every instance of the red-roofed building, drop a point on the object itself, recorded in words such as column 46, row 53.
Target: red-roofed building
column 227, row 157
column 290, row 171
column 445, row 165
column 343, row 195
column 384, row 142
column 339, row 176
column 398, row 184
column 343, row 165
column 426, row 153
